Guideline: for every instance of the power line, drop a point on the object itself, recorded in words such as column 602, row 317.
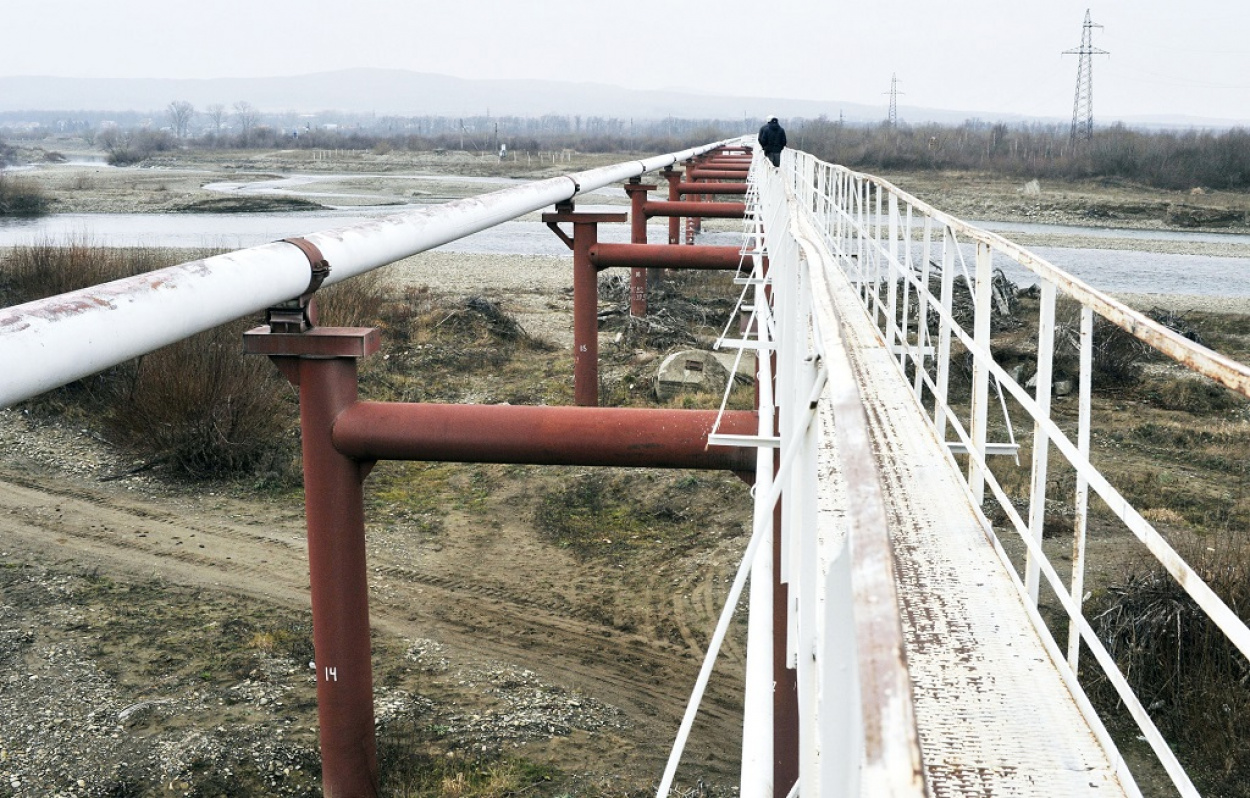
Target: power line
column 1083, row 103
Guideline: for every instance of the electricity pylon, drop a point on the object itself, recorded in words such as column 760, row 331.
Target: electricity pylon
column 1083, row 103
column 894, row 93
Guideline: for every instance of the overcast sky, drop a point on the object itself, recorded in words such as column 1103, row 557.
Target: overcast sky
column 1168, row 57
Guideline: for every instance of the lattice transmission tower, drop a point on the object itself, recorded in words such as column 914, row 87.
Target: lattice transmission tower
column 892, row 119
column 1083, row 103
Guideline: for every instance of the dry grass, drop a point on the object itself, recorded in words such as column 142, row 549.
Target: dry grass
column 20, row 197
column 1192, row 679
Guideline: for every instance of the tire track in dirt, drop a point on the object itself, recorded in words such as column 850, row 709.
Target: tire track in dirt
column 260, row 553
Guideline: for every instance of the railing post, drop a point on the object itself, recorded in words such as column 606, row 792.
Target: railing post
column 1082, row 485
column 922, row 311
column 806, row 576
column 906, row 270
column 943, row 355
column 891, row 270
column 980, row 371
column 1041, row 441
column 757, row 704
column 876, row 259
column 783, row 262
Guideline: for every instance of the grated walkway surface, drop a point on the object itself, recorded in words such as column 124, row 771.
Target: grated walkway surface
column 995, row 717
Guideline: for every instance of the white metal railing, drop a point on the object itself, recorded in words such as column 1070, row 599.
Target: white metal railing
column 857, row 732
column 890, row 245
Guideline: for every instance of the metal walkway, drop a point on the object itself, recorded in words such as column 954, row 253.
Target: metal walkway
column 984, row 682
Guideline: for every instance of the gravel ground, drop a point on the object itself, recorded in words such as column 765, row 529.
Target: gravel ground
column 1186, row 302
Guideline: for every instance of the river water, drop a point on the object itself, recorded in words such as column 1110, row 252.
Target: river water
column 1111, row 270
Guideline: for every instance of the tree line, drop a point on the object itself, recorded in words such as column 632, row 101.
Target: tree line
column 1161, row 159
column 1181, row 159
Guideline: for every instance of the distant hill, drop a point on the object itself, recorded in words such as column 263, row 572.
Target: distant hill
column 387, row 92
column 403, row 93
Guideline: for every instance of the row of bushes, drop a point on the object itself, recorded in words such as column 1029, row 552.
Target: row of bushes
column 1162, row 159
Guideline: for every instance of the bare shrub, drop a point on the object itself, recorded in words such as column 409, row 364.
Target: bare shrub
column 1118, row 355
column 203, row 407
column 1194, row 681
column 356, row 302
column 47, row 269
column 199, row 406
column 1193, row 394
column 21, row 197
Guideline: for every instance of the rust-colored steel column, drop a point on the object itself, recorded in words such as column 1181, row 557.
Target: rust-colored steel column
column 585, row 301
column 674, row 224
column 585, row 317
column 694, row 223
column 785, row 678
column 322, row 362
column 637, row 192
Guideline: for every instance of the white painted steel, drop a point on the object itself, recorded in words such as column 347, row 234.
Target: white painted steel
column 980, row 372
column 756, row 777
column 1041, row 446
column 1081, row 501
column 851, row 235
column 53, row 341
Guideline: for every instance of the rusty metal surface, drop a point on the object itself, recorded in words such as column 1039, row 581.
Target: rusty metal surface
column 317, row 342
column 642, row 437
column 712, row 188
column 585, row 317
column 637, row 191
column 339, row 583
column 711, row 210
column 716, row 174
column 667, row 256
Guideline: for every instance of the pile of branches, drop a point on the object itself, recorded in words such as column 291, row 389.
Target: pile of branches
column 1004, row 301
column 1118, row 355
column 1176, row 322
column 671, row 316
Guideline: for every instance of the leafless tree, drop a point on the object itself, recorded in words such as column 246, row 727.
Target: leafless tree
column 180, row 114
column 216, row 114
column 247, row 117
